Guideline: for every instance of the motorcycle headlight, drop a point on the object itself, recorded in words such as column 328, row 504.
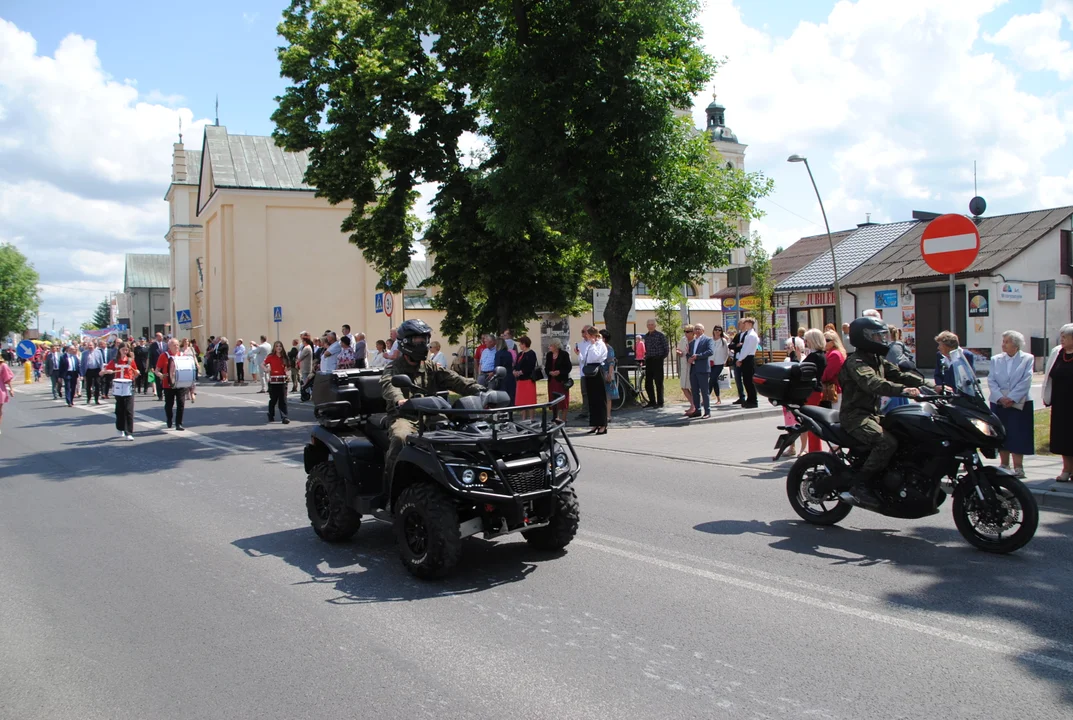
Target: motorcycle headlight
column 468, row 476
column 984, row 427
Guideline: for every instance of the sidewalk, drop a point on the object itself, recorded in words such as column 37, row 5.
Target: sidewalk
column 745, row 440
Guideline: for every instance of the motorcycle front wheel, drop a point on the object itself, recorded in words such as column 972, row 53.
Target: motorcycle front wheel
column 816, row 505
column 1000, row 527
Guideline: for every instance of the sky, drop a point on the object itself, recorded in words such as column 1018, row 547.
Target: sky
column 891, row 102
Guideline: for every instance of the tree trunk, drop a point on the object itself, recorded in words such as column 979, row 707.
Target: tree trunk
column 619, row 304
column 503, row 315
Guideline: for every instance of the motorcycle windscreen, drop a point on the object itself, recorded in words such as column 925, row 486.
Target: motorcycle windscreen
column 964, row 376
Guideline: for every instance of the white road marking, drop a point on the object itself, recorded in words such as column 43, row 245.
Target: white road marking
column 950, row 243
column 961, row 638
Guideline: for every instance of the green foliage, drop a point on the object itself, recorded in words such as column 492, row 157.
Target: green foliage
column 763, row 289
column 88, row 326
column 668, row 314
column 588, row 174
column 102, row 316
column 19, row 298
column 495, row 280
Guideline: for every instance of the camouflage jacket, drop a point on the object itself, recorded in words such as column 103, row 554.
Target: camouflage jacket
column 427, row 376
column 865, row 378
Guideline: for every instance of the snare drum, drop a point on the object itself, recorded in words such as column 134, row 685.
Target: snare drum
column 122, row 388
column 277, row 379
column 183, row 371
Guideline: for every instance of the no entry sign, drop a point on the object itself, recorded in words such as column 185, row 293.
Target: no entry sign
column 950, row 244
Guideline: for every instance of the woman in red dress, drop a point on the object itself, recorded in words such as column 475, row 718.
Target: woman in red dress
column 123, row 371
column 557, row 367
column 524, row 365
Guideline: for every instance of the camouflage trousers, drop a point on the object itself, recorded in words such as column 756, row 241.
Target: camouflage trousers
column 399, row 430
column 883, row 445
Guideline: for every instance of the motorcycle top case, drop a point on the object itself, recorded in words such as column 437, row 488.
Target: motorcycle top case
column 787, row 383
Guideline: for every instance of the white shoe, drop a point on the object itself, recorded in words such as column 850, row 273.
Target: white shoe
column 1019, row 473
column 130, row 438
column 122, row 433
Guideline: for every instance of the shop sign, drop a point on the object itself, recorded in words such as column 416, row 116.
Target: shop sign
column 1011, row 292
column 978, row 304
column 886, row 299
column 816, row 299
column 749, row 302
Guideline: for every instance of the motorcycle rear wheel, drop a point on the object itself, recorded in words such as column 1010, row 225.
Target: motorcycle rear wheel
column 825, row 509
column 985, row 530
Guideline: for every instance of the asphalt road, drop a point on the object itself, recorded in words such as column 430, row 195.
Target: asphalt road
column 177, row 577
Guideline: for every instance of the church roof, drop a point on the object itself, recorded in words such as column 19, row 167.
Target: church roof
column 193, row 167
column 147, row 271
column 253, row 161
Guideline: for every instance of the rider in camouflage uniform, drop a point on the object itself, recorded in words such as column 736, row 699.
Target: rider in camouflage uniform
column 867, row 376
column 414, row 337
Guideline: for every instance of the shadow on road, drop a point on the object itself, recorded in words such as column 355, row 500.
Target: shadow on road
column 367, row 568
column 1030, row 588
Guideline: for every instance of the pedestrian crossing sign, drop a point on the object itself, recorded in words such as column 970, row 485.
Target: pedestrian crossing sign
column 277, row 314
column 183, row 316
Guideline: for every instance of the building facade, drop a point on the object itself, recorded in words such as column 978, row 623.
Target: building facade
column 147, row 291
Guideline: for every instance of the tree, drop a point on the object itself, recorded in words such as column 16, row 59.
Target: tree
column 19, row 297
column 102, row 316
column 88, row 326
column 763, row 290
column 575, row 102
column 496, row 280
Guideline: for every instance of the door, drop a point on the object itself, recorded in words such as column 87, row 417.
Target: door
column 933, row 316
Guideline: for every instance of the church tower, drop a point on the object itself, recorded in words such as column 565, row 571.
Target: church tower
column 185, row 240
column 724, row 143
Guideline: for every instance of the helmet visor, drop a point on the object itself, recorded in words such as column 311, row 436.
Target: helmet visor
column 878, row 336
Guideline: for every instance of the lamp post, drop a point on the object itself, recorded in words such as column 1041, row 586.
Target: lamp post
column 830, row 241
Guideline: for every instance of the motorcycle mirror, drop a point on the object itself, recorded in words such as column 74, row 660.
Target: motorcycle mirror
column 501, row 372
column 403, row 382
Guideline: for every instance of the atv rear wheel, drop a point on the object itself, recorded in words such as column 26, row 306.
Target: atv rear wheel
column 563, row 524
column 426, row 528
column 331, row 519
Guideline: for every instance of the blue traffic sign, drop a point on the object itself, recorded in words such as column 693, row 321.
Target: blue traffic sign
column 277, row 313
column 183, row 316
column 26, row 349
column 379, row 299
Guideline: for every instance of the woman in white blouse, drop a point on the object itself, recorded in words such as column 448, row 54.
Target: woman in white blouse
column 592, row 354
column 1010, row 382
column 376, row 358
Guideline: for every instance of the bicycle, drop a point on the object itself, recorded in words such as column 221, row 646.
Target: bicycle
column 628, row 386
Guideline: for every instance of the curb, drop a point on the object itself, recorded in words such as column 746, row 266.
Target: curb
column 1054, row 500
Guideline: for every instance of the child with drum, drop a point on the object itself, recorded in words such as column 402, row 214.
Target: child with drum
column 123, row 371
column 275, row 367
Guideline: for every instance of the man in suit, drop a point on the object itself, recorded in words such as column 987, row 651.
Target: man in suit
column 109, row 351
column 156, row 349
column 69, row 367
column 700, row 350
column 92, row 362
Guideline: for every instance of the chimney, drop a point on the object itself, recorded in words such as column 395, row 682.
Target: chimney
column 178, row 163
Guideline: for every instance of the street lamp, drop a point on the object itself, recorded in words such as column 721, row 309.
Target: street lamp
column 830, row 241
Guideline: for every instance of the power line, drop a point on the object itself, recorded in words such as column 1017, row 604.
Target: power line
column 811, row 222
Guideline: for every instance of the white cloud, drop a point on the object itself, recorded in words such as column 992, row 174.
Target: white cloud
column 85, row 159
column 892, row 103
column 1036, row 43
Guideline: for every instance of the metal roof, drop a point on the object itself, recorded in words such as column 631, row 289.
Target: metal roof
column 850, row 254
column 1002, row 238
column 700, row 304
column 147, row 271
column 253, row 161
column 791, row 260
column 193, row 167
column 416, row 273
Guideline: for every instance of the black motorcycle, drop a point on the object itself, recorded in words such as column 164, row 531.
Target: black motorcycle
column 470, row 468
column 940, row 440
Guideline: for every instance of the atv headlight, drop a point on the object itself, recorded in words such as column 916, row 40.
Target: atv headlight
column 984, row 427
column 561, row 461
column 468, row 476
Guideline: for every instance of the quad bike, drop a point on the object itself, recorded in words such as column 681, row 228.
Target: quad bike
column 470, row 468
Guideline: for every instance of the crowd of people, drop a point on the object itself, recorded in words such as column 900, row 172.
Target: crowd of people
column 112, row 369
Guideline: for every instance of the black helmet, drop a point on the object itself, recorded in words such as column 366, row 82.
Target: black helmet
column 869, row 335
column 408, row 334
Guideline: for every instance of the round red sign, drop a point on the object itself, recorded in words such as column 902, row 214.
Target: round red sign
column 950, row 244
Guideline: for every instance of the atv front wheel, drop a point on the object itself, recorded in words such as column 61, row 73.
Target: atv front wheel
column 563, row 523
column 331, row 519
column 426, row 528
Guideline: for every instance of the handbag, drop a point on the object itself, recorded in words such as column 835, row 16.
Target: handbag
column 538, row 373
column 568, row 383
column 590, row 369
column 830, row 393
